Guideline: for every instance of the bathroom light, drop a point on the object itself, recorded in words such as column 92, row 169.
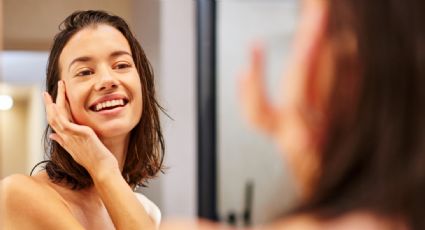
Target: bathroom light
column 6, row 102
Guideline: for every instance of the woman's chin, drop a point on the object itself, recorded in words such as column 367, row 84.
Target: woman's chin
column 109, row 132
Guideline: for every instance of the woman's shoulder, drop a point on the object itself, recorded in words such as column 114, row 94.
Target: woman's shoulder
column 21, row 193
column 26, row 200
column 22, row 188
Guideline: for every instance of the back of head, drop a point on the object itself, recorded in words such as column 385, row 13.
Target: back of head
column 374, row 153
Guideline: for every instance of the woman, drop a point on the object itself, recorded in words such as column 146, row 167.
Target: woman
column 352, row 120
column 104, row 134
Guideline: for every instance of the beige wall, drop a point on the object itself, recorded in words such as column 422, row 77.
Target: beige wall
column 13, row 141
column 178, row 96
column 31, row 25
column 35, row 127
column 21, row 130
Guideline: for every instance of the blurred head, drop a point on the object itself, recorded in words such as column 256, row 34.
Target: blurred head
column 108, row 49
column 352, row 121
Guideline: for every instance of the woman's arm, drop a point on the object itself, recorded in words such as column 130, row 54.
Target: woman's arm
column 123, row 206
column 85, row 147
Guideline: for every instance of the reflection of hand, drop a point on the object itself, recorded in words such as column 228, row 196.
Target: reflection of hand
column 257, row 107
column 78, row 140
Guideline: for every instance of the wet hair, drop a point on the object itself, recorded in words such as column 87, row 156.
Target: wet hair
column 373, row 158
column 145, row 149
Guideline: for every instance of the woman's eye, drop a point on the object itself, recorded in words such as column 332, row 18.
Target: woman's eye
column 122, row 66
column 84, row 73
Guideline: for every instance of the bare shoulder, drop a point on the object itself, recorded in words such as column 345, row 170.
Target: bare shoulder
column 20, row 183
column 29, row 202
column 18, row 189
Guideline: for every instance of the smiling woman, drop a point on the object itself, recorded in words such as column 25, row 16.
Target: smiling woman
column 103, row 138
column 98, row 66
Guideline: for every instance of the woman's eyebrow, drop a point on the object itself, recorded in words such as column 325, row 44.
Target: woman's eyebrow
column 87, row 58
column 79, row 59
column 119, row 53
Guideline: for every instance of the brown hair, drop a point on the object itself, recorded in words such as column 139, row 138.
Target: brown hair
column 145, row 150
column 373, row 157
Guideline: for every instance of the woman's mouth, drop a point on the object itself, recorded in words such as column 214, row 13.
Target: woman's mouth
column 110, row 104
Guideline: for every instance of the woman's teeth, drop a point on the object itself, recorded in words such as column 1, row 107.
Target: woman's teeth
column 108, row 104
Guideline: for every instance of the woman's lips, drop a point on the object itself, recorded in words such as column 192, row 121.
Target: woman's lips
column 111, row 111
column 106, row 105
column 108, row 102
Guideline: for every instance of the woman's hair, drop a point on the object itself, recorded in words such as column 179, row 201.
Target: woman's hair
column 145, row 150
column 373, row 157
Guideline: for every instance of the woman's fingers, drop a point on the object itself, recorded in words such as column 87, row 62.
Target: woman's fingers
column 257, row 65
column 62, row 101
column 51, row 111
column 60, row 97
column 255, row 103
column 47, row 98
column 69, row 128
column 57, row 138
column 57, row 116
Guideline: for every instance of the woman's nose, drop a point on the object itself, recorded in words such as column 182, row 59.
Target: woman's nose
column 106, row 81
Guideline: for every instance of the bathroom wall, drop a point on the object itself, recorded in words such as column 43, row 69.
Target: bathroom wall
column 178, row 96
column 22, row 126
column 13, row 141
column 31, row 25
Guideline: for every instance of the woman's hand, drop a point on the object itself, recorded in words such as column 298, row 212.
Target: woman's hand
column 256, row 105
column 78, row 140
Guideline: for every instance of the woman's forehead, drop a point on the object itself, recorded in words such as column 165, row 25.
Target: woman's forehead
column 94, row 41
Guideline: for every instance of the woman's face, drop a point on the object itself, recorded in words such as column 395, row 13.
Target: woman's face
column 102, row 83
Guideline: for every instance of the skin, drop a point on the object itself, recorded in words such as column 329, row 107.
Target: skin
column 96, row 140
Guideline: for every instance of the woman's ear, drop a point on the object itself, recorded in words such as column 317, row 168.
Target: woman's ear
column 303, row 76
column 303, row 94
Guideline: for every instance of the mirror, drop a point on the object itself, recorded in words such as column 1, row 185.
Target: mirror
column 254, row 185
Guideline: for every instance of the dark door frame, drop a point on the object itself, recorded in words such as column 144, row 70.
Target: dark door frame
column 206, row 109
